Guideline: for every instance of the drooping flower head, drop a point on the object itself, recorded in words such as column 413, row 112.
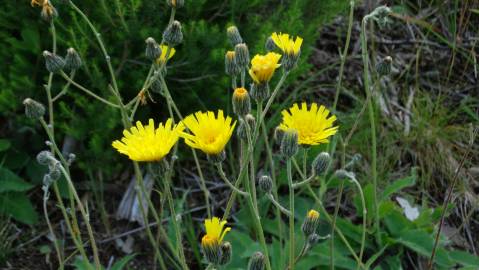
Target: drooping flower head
column 314, row 126
column 147, row 143
column 164, row 49
column 208, row 133
column 287, row 44
column 48, row 11
column 263, row 67
column 212, row 240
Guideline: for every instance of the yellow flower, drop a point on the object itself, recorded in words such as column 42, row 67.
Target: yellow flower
column 263, row 67
column 164, row 49
column 215, row 230
column 287, row 44
column 208, row 133
column 313, row 126
column 313, row 214
column 145, row 143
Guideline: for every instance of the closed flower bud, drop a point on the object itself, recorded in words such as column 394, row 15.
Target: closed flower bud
column 241, row 102
column 226, row 253
column 383, row 68
column 289, row 143
column 211, row 249
column 321, row 163
column 343, row 174
column 231, row 67
column 278, row 134
column 173, row 35
column 257, row 261
column 33, row 109
column 234, row 35
column 175, row 3
column 265, row 183
column 153, row 50
column 310, row 223
column 217, row 158
column 53, row 62
column 72, row 60
column 269, row 45
column 260, row 92
column 44, row 157
column 242, row 55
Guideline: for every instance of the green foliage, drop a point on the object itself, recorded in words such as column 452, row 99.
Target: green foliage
column 121, row 264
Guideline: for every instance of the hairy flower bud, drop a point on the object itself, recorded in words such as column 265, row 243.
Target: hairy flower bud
column 257, row 261
column 175, row 3
column 383, row 68
column 278, row 135
column 173, row 35
column 234, row 35
column 310, row 223
column 33, row 109
column 231, row 67
column 242, row 55
column 313, row 239
column 53, row 62
column 321, row 163
column 265, row 183
column 241, row 102
column 226, row 253
column 153, row 50
column 49, row 12
column 217, row 158
column 343, row 174
column 211, row 249
column 72, row 60
column 44, row 157
column 269, row 45
column 260, row 92
column 289, row 143
column 54, row 169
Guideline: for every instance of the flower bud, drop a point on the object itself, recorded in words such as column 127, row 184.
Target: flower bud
column 257, row 261
column 265, row 183
column 231, row 67
column 343, row 174
column 211, row 249
column 260, row 92
column 242, row 55
column 175, row 3
column 310, row 223
column 321, row 163
column 289, row 143
column 217, row 158
column 269, row 45
column 241, row 102
column 313, row 239
column 53, row 62
column 72, row 60
column 226, row 253
column 278, row 134
column 234, row 35
column 54, row 168
column 48, row 12
column 173, row 35
column 383, row 68
column 33, row 109
column 153, row 50
column 44, row 157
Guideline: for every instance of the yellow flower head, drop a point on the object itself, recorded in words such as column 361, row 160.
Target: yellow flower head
column 164, row 49
column 208, row 133
column 263, row 67
column 287, row 44
column 215, row 231
column 313, row 126
column 145, row 143
column 313, row 214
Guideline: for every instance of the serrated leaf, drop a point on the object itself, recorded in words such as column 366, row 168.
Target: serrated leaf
column 9, row 181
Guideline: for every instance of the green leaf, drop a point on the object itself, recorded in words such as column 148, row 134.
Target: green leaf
column 398, row 185
column 18, row 206
column 4, row 144
column 397, row 223
column 119, row 265
column 464, row 258
column 9, row 181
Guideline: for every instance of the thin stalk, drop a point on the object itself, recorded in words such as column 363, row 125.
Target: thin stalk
column 251, row 167
column 448, row 200
column 363, row 203
column 333, row 224
column 344, row 54
column 65, row 88
column 228, row 182
column 365, row 57
column 291, row 216
column 278, row 205
column 50, row 228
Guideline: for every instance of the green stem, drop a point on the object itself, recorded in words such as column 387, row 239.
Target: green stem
column 278, row 205
column 50, row 228
column 363, row 202
column 333, row 226
column 372, row 122
column 228, row 182
column 291, row 216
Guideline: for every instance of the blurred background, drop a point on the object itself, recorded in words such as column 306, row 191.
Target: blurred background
column 425, row 112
